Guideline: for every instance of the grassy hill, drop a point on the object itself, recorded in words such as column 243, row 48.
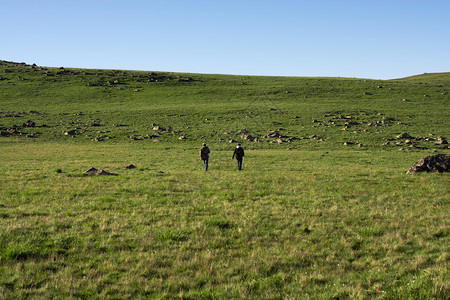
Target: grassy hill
column 429, row 78
column 322, row 210
column 115, row 106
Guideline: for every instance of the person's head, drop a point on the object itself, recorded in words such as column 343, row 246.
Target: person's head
column 204, row 144
column 238, row 146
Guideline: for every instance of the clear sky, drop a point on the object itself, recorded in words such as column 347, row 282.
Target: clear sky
column 380, row 39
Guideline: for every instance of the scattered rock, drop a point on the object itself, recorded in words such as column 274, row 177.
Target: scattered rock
column 12, row 130
column 70, row 132
column 274, row 134
column 130, row 167
column 247, row 137
column 433, row 163
column 93, row 171
column 103, row 172
column 29, row 124
column 404, row 135
column 386, row 120
column 441, row 141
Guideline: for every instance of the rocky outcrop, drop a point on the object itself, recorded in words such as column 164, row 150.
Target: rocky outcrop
column 433, row 163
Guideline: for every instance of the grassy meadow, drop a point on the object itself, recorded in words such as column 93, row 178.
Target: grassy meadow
column 323, row 208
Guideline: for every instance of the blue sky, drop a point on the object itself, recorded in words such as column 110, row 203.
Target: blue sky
column 380, row 39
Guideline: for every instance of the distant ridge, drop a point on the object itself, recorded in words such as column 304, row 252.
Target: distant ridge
column 443, row 76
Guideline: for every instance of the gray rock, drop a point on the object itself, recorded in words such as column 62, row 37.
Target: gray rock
column 404, row 135
column 442, row 141
column 433, row 163
column 91, row 170
column 29, row 123
column 274, row 134
column 70, row 132
column 247, row 137
column 105, row 173
column 95, row 172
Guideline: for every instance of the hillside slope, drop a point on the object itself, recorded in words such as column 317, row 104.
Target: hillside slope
column 429, row 77
column 85, row 105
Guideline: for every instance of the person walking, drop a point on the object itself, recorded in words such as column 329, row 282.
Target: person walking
column 204, row 155
column 239, row 154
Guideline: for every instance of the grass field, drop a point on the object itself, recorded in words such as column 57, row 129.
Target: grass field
column 308, row 217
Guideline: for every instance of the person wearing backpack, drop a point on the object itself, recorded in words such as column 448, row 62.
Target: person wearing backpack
column 239, row 154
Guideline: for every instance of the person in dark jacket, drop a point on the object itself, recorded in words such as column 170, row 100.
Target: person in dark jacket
column 239, row 154
column 204, row 155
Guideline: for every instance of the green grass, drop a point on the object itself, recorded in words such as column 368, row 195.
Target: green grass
column 218, row 108
column 304, row 219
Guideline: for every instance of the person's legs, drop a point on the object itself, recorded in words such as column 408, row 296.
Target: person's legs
column 239, row 163
column 205, row 162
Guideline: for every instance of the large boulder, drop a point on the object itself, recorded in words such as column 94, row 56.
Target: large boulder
column 433, row 163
